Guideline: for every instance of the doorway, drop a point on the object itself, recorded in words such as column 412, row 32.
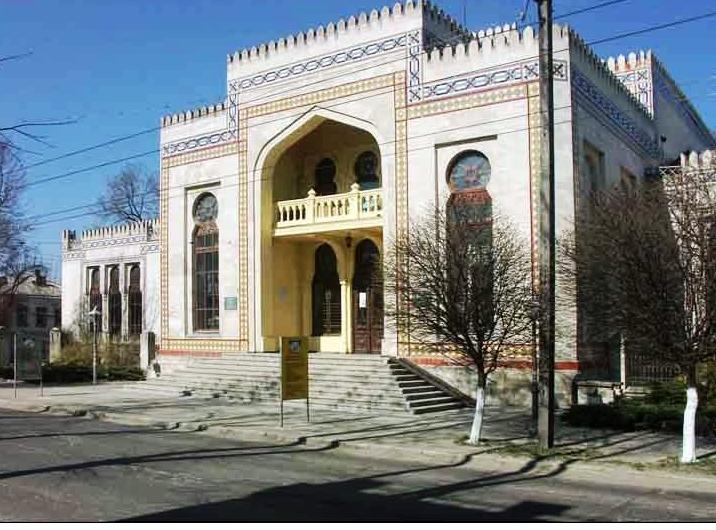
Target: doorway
column 367, row 299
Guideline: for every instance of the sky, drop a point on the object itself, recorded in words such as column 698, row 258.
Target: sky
column 114, row 67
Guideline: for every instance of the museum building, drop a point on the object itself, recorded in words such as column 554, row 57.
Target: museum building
column 276, row 202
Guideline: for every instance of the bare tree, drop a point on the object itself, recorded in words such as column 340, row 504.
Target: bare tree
column 132, row 195
column 13, row 226
column 20, row 267
column 461, row 288
column 643, row 264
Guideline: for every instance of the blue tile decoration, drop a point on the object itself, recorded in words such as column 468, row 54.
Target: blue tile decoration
column 491, row 77
column 639, row 83
column 609, row 114
column 196, row 142
column 346, row 56
column 415, row 78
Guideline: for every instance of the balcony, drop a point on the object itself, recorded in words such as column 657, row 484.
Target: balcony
column 322, row 213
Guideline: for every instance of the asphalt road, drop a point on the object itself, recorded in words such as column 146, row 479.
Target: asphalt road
column 74, row 469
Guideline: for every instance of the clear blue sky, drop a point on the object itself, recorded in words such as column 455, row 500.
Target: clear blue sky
column 116, row 66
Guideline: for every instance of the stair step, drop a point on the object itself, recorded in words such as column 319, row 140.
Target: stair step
column 343, row 381
column 417, row 403
column 432, row 393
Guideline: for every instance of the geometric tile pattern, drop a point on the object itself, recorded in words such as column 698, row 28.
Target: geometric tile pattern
column 639, row 83
column 534, row 121
column 610, row 115
column 489, row 78
column 340, row 58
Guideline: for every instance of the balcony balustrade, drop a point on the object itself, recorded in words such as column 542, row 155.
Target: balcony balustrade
column 319, row 213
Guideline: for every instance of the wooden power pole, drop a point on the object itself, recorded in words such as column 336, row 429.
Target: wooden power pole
column 545, row 420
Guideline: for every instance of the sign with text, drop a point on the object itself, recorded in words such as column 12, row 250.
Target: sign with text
column 294, row 368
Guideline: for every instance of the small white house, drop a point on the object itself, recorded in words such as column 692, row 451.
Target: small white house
column 114, row 269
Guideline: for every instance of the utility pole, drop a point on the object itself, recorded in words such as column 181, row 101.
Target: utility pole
column 545, row 421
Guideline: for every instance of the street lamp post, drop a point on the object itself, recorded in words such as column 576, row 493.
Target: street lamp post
column 93, row 320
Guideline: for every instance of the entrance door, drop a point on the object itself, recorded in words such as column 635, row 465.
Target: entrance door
column 367, row 300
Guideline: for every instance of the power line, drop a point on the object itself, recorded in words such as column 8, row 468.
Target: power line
column 147, row 153
column 367, row 145
column 455, row 39
column 264, row 168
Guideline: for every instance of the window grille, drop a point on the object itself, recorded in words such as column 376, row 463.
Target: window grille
column 135, row 301
column 115, row 303
column 95, row 299
column 326, row 293
column 206, row 277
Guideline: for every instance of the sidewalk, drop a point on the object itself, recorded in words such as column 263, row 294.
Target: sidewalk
column 403, row 437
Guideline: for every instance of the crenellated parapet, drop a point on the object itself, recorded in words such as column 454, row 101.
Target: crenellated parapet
column 136, row 232
column 335, row 32
column 694, row 161
column 485, row 41
column 199, row 112
column 586, row 55
column 666, row 88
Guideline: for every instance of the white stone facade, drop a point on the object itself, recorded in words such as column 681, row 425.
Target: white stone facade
column 411, row 85
column 122, row 246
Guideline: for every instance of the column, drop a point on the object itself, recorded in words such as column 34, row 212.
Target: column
column 345, row 323
column 104, row 286
column 123, row 287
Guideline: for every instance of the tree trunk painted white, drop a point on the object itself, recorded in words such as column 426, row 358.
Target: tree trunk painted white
column 688, row 449
column 476, row 429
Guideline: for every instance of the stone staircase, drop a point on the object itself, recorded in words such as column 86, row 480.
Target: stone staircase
column 359, row 382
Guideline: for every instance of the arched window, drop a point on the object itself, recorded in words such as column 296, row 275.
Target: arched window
column 326, row 293
column 467, row 177
column 367, row 170
column 134, row 295
column 114, row 301
column 325, row 176
column 206, row 264
column 469, row 218
column 95, row 298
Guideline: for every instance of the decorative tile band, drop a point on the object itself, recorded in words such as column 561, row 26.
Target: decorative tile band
column 164, row 256
column 340, row 58
column 191, row 345
column 243, row 265
column 476, row 99
column 534, row 121
column 414, row 65
column 639, row 83
column 197, row 142
column 402, row 223
column 610, row 114
column 491, row 78
column 313, row 98
column 201, row 155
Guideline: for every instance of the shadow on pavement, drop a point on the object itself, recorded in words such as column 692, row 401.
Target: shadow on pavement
column 350, row 500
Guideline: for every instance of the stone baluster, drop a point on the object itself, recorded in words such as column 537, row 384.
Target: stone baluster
column 311, row 207
column 354, row 201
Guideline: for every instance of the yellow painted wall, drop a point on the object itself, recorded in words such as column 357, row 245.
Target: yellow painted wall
column 287, row 266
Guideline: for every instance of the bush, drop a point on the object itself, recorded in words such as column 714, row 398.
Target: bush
column 661, row 409
column 82, row 373
column 108, row 353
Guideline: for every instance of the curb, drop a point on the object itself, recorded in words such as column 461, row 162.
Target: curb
column 381, row 451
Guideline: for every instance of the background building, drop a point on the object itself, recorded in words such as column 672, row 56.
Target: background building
column 116, row 270
column 31, row 310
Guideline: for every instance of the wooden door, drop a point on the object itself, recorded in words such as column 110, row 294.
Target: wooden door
column 367, row 301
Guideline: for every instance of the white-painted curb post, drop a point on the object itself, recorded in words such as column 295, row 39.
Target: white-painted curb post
column 688, row 450
column 476, row 430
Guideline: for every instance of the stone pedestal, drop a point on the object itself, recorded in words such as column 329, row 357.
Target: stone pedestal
column 55, row 345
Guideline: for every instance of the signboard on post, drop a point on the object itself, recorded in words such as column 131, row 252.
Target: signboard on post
column 294, row 371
